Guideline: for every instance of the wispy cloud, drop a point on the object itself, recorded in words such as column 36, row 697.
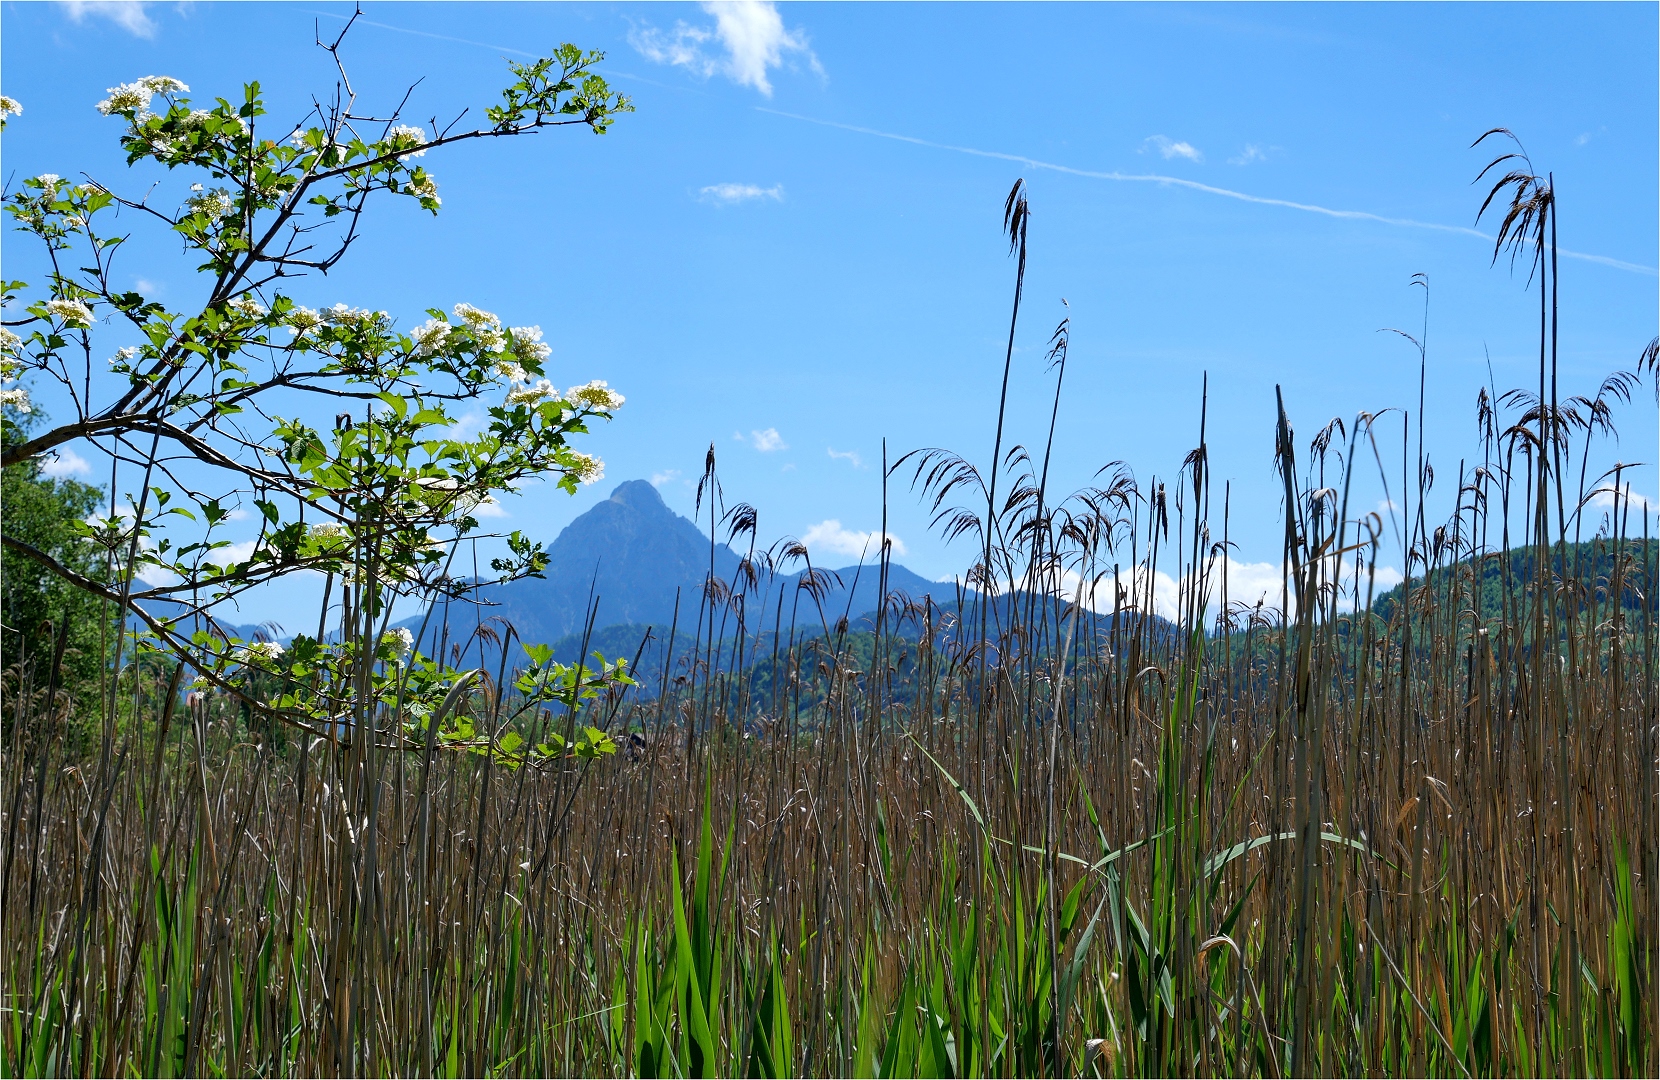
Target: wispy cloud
column 850, row 456
column 667, row 476
column 750, row 33
column 1194, row 185
column 127, row 14
column 1252, row 152
column 65, row 462
column 1171, row 149
column 767, row 441
column 728, row 194
column 828, row 537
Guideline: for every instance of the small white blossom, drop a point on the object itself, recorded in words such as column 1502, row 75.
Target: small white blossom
column 9, row 107
column 124, row 357
column 72, row 312
column 302, row 320
column 260, row 650
column 215, row 203
column 424, row 188
column 128, row 97
column 247, row 305
column 401, row 641
column 476, row 318
column 163, row 84
column 344, row 315
column 587, row 468
column 430, row 336
column 512, row 372
column 532, row 395
column 326, row 530
column 16, row 398
column 49, row 180
column 528, row 344
column 595, row 395
column 10, row 343
column 404, row 137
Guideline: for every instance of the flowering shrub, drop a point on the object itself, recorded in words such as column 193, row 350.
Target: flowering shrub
column 205, row 410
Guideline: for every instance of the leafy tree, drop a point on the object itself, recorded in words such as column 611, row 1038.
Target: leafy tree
column 36, row 603
column 211, row 411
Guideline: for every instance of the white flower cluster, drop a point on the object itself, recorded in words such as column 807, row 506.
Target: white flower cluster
column 587, row 468
column 362, row 318
column 532, row 395
column 404, row 137
column 596, row 396
column 512, row 371
column 10, row 343
column 197, row 117
column 485, row 327
column 430, row 336
column 9, row 107
column 215, row 203
column 49, row 181
column 135, row 96
column 15, row 397
column 401, row 641
column 72, row 312
column 259, row 650
column 424, row 188
column 248, row 306
column 124, row 357
column 326, row 530
column 302, row 320
column 528, row 343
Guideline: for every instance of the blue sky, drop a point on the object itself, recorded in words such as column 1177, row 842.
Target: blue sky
column 792, row 248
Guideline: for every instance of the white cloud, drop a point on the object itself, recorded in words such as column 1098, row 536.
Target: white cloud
column 751, row 32
column 490, row 508
column 728, row 194
column 127, row 14
column 850, row 456
column 830, row 538
column 1172, row 149
column 233, row 553
column 767, row 441
column 469, row 425
column 667, row 476
column 147, row 287
column 1252, row 152
column 155, row 576
column 1248, row 583
column 1603, row 499
column 64, row 463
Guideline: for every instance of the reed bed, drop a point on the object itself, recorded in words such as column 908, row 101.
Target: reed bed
column 1048, row 834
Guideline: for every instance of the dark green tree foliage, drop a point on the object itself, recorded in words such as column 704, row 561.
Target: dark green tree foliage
column 42, row 512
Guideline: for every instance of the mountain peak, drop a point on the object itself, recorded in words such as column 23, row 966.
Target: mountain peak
column 638, row 494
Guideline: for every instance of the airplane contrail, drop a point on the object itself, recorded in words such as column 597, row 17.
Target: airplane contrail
column 1209, row 189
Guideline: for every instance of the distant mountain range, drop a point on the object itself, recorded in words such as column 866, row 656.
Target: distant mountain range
column 631, row 560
